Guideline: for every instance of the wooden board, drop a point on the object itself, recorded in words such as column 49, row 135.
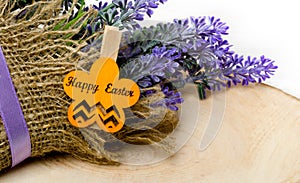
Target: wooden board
column 259, row 142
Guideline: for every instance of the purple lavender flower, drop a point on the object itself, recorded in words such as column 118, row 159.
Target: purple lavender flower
column 101, row 5
column 153, row 68
column 250, row 70
column 171, row 100
column 201, row 51
column 142, row 7
column 126, row 12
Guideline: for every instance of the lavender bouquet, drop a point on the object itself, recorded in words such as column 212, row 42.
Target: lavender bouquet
column 152, row 55
column 161, row 59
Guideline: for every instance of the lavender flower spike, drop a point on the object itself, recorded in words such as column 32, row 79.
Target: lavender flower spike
column 171, row 100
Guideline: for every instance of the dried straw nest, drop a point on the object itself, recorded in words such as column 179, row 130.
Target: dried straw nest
column 38, row 59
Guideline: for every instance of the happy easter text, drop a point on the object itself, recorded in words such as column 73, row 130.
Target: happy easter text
column 87, row 87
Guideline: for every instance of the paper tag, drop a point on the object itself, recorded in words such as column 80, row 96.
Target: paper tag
column 100, row 96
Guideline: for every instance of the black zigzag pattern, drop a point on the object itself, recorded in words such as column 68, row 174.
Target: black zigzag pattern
column 85, row 105
column 110, row 116
column 81, row 113
column 113, row 108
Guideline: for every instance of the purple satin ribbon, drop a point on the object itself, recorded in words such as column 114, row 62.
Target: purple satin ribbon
column 12, row 116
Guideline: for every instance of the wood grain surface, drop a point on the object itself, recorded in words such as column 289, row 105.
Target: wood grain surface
column 258, row 142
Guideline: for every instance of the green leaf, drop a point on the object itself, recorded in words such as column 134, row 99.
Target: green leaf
column 59, row 25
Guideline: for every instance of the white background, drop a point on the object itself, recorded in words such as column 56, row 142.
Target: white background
column 257, row 27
